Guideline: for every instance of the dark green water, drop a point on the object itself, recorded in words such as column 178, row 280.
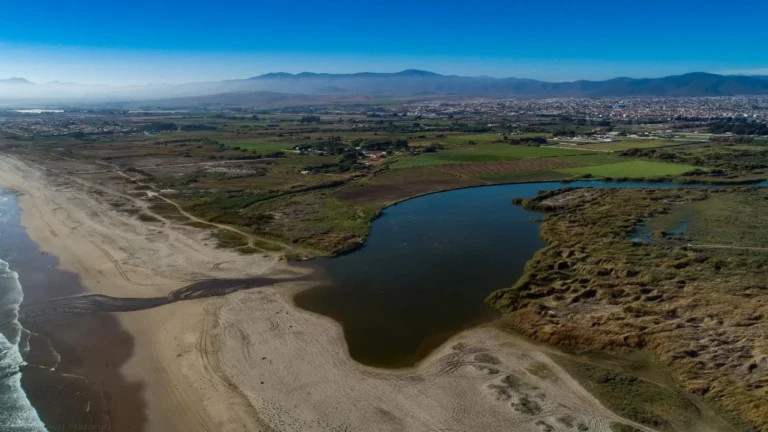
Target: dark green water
column 427, row 267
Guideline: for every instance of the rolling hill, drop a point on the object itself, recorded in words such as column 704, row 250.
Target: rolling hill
column 408, row 83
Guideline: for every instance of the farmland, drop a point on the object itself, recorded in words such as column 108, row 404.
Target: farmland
column 515, row 166
column 315, row 182
column 734, row 158
column 301, row 184
column 481, row 153
column 633, row 169
column 258, row 145
column 627, row 144
column 467, row 139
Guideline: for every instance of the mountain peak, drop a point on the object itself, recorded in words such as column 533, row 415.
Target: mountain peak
column 15, row 80
column 274, row 75
column 417, row 72
column 700, row 74
column 405, row 73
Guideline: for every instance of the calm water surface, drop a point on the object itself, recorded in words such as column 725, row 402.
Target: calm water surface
column 427, row 267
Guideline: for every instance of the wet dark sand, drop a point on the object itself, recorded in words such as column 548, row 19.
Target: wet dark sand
column 87, row 336
column 65, row 307
column 77, row 344
column 85, row 391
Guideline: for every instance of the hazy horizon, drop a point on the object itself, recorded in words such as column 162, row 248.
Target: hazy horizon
column 107, row 83
column 176, row 48
column 178, row 42
column 330, row 87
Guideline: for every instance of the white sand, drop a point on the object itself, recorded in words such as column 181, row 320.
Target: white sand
column 252, row 361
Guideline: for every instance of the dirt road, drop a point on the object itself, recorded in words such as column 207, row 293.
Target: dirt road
column 250, row 360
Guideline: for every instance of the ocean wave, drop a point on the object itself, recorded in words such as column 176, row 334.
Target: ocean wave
column 16, row 412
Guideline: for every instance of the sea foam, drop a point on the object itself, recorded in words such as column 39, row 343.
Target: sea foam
column 16, row 412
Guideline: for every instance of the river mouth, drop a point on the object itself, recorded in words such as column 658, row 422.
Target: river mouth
column 427, row 266
column 67, row 374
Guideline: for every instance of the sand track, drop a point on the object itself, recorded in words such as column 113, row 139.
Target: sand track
column 250, row 360
column 250, row 238
column 461, row 386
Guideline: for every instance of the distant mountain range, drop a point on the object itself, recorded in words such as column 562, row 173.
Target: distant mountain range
column 15, row 81
column 416, row 82
column 408, row 83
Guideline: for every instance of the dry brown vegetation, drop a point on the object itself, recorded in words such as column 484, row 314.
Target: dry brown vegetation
column 701, row 312
column 396, row 185
column 524, row 165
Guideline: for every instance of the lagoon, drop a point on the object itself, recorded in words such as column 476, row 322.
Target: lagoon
column 427, row 266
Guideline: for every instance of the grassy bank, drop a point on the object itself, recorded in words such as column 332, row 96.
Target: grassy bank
column 699, row 311
column 633, row 169
column 634, row 398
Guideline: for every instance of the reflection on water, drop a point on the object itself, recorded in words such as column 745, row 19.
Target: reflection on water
column 427, row 267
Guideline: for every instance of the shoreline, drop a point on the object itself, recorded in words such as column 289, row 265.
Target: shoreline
column 252, row 360
column 565, row 182
column 44, row 371
column 53, row 213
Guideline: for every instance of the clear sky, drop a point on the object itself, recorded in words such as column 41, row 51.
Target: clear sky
column 153, row 41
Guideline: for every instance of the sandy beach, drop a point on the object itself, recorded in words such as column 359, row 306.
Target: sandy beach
column 251, row 360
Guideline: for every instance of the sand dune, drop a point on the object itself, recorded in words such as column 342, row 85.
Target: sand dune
column 251, row 361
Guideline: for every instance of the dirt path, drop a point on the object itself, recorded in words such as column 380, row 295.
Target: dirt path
column 146, row 167
column 252, row 239
column 251, row 361
column 117, row 255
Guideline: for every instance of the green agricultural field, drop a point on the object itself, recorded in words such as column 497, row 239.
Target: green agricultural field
column 632, row 169
column 530, row 176
column 627, row 144
column 515, row 151
column 487, row 138
column 446, row 158
column 588, row 158
column 734, row 162
column 465, row 139
column 483, row 153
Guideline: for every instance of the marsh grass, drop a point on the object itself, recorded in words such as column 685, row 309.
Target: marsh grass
column 592, row 289
column 634, row 398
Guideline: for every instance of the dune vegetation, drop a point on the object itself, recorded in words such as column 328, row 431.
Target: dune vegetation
column 695, row 300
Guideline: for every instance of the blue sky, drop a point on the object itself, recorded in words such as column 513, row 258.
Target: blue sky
column 142, row 41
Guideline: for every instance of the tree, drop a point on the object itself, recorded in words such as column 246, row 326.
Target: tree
column 310, row 119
